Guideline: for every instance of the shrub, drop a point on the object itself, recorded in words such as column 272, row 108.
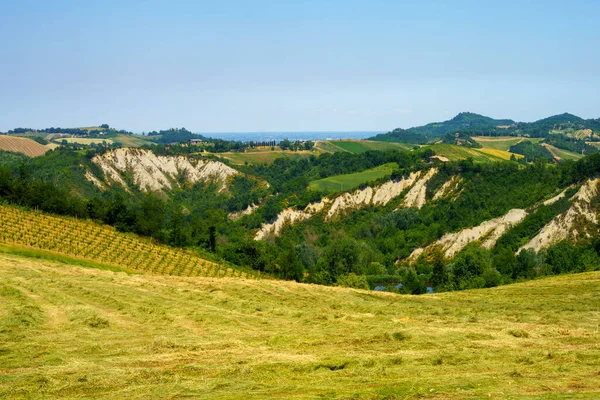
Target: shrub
column 353, row 281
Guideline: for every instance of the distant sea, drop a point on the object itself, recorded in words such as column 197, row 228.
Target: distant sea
column 278, row 136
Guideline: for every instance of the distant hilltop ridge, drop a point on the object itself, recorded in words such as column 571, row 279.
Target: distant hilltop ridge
column 479, row 125
column 469, row 123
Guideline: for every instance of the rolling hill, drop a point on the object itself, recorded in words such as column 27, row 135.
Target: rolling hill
column 73, row 332
column 478, row 125
column 48, row 236
column 461, row 122
column 25, row 146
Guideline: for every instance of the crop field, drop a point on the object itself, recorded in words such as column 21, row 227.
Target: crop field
column 454, row 153
column 265, row 156
column 86, row 141
column 502, row 142
column 348, row 181
column 103, row 244
column 563, row 154
column 131, row 140
column 360, row 146
column 74, row 332
column 26, row 146
column 505, row 155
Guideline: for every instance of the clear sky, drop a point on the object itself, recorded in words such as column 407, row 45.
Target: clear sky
column 214, row 66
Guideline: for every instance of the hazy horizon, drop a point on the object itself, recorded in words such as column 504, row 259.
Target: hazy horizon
column 269, row 66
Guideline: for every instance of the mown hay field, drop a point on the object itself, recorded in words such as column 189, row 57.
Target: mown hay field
column 26, row 146
column 73, row 332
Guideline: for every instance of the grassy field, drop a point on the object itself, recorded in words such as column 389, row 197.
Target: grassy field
column 86, row 141
column 360, row 146
column 264, row 156
column 502, row 142
column 348, row 181
column 22, row 145
column 454, row 152
column 74, row 332
column 50, row 237
column 131, row 140
column 563, row 154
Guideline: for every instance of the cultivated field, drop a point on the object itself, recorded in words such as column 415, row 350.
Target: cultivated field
column 49, row 237
column 455, row 153
column 26, row 146
column 263, row 156
column 563, row 154
column 131, row 140
column 348, row 181
column 502, row 142
column 86, row 141
column 73, row 332
column 360, row 146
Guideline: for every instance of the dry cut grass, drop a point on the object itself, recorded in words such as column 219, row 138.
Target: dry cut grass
column 72, row 332
column 26, row 146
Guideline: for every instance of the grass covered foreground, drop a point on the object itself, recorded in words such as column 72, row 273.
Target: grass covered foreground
column 68, row 331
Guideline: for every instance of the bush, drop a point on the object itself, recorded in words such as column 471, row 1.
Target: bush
column 353, row 281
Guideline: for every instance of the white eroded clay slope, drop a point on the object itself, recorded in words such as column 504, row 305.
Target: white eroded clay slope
column 379, row 195
column 155, row 173
column 564, row 226
column 452, row 243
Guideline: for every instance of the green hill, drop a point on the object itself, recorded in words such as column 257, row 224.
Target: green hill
column 463, row 121
column 478, row 125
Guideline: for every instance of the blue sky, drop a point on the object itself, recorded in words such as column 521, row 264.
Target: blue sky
column 294, row 65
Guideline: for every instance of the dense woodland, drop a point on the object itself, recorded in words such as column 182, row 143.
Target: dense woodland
column 364, row 248
column 361, row 249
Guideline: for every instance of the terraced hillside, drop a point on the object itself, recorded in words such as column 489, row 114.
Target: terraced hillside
column 72, row 332
column 86, row 240
column 26, row 146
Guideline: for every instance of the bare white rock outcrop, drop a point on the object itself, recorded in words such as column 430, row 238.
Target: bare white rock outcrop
column 156, row 173
column 490, row 231
column 563, row 226
column 416, row 195
column 555, row 198
column 392, row 189
column 379, row 195
column 90, row 177
column 448, row 188
column 234, row 216
column 287, row 216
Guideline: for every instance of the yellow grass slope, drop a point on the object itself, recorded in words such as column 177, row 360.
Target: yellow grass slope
column 72, row 332
column 26, row 146
column 87, row 240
